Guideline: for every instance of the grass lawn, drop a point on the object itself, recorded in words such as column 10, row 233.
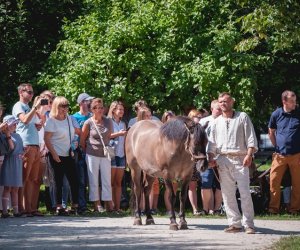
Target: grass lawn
column 287, row 243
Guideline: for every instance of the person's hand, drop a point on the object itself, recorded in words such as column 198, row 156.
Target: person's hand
column 56, row 157
column 122, row 132
column 247, row 161
column 38, row 103
column 3, row 126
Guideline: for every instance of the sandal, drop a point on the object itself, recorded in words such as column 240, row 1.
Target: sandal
column 62, row 212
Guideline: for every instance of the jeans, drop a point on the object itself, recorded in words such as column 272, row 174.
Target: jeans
column 81, row 171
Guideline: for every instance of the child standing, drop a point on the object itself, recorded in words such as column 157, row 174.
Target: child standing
column 11, row 174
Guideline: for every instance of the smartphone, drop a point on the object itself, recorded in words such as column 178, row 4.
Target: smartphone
column 127, row 128
column 44, row 102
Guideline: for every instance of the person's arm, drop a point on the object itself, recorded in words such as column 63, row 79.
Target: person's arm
column 47, row 139
column 117, row 134
column 9, row 139
column 84, row 135
column 26, row 118
column 3, row 126
column 272, row 136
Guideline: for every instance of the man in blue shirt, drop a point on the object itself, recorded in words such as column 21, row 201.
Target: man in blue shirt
column 284, row 133
column 81, row 116
column 28, row 128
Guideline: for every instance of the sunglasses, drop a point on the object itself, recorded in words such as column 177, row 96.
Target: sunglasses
column 28, row 91
column 98, row 107
column 64, row 106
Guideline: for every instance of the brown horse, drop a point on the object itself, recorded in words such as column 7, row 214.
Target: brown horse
column 168, row 151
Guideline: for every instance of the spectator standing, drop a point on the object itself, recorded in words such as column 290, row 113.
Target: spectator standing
column 11, row 174
column 284, row 133
column 116, row 113
column 232, row 140
column 97, row 162
column 195, row 115
column 84, row 102
column 27, row 128
column 59, row 132
column 211, row 200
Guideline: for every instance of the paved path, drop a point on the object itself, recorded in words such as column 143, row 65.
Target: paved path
column 53, row 232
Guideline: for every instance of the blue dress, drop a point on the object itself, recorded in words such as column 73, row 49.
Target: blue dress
column 12, row 169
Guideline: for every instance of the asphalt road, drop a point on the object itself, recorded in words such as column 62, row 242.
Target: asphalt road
column 53, row 232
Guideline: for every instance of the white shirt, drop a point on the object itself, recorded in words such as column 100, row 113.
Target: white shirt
column 232, row 135
column 60, row 138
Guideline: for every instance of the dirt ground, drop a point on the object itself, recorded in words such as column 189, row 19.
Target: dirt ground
column 53, row 232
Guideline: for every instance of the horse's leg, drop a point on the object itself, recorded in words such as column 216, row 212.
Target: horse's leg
column 183, row 194
column 136, row 179
column 147, row 191
column 171, row 198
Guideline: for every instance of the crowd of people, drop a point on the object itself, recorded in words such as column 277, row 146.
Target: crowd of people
column 44, row 144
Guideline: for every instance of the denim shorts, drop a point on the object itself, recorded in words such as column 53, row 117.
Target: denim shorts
column 209, row 180
column 118, row 162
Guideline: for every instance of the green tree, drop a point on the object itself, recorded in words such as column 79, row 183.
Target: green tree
column 29, row 31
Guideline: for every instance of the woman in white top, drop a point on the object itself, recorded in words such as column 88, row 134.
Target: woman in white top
column 59, row 132
column 116, row 112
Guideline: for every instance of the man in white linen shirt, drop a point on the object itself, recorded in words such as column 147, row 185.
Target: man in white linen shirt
column 231, row 145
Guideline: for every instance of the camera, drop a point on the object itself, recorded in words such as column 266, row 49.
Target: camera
column 44, row 102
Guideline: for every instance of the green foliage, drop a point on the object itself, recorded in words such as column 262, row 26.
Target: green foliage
column 29, row 32
column 287, row 243
column 174, row 54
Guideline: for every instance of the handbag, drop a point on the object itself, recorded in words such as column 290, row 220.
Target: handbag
column 109, row 151
column 71, row 152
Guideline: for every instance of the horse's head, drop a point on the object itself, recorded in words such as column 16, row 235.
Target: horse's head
column 196, row 144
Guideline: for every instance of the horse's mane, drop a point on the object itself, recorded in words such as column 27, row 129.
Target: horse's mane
column 175, row 129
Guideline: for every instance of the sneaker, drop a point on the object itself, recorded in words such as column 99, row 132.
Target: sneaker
column 232, row 229
column 62, row 212
column 249, row 230
column 199, row 213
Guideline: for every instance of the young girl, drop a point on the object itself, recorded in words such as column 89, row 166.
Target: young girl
column 11, row 174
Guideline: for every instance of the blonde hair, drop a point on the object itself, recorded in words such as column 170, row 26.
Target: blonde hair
column 141, row 115
column 58, row 101
column 113, row 107
column 194, row 112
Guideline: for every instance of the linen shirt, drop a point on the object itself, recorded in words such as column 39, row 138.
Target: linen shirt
column 232, row 136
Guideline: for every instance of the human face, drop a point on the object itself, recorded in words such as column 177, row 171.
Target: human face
column 85, row 105
column 119, row 111
column 63, row 109
column 98, row 109
column 226, row 103
column 148, row 115
column 290, row 103
column 27, row 93
column 216, row 110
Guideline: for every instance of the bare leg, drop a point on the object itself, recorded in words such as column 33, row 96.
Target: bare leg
column 207, row 199
column 193, row 195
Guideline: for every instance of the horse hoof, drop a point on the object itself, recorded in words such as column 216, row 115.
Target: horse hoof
column 150, row 222
column 174, row 227
column 183, row 226
column 137, row 222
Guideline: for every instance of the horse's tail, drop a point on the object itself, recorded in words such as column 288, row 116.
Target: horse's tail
column 132, row 194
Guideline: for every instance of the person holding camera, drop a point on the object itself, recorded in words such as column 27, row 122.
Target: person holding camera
column 28, row 129
column 59, row 133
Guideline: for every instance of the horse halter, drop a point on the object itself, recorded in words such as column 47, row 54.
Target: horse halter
column 194, row 157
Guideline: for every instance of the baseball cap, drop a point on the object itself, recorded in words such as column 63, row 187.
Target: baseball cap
column 83, row 97
column 10, row 120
